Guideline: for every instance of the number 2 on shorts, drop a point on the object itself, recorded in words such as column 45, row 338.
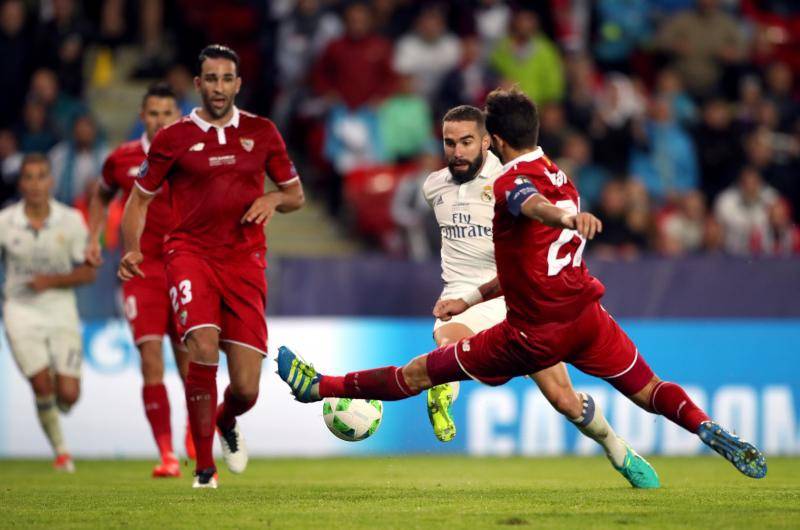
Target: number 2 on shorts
column 185, row 287
column 554, row 263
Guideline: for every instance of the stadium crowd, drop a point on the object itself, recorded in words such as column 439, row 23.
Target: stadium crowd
column 679, row 120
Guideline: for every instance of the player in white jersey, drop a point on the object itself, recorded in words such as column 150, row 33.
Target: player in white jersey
column 463, row 201
column 42, row 244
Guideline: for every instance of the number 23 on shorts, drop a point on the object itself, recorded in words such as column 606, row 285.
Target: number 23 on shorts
column 184, row 289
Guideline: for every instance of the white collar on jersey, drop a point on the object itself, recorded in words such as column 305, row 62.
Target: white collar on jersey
column 145, row 145
column 203, row 124
column 21, row 220
column 530, row 156
column 490, row 166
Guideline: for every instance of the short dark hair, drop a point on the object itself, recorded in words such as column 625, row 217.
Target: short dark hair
column 512, row 116
column 217, row 51
column 33, row 158
column 159, row 90
column 466, row 113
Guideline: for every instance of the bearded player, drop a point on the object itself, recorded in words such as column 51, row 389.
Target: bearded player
column 462, row 199
column 215, row 161
column 146, row 303
column 554, row 311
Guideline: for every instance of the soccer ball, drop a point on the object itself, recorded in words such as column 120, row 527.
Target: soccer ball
column 352, row 420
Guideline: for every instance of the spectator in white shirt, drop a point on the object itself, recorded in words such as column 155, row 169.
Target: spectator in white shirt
column 429, row 52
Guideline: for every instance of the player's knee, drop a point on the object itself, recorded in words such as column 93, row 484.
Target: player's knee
column 568, row 403
column 244, row 391
column 66, row 399
column 204, row 350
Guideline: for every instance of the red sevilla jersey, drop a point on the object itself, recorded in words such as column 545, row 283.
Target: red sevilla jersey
column 119, row 173
column 215, row 174
column 540, row 268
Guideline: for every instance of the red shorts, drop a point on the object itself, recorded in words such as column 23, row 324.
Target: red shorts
column 594, row 343
column 147, row 307
column 229, row 295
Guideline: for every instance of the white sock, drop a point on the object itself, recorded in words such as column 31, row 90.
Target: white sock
column 51, row 425
column 593, row 424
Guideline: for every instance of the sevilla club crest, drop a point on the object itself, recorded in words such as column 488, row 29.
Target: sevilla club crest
column 247, row 143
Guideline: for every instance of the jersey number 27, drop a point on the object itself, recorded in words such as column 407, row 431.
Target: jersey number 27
column 556, row 264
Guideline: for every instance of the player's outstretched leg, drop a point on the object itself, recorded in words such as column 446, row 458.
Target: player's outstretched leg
column 672, row 402
column 582, row 410
column 389, row 383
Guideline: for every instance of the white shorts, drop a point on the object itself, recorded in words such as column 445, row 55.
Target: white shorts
column 35, row 349
column 479, row 317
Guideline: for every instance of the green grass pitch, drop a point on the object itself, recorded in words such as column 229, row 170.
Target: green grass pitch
column 402, row 492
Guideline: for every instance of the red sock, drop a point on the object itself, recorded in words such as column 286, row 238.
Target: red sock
column 156, row 408
column 672, row 402
column 231, row 407
column 201, row 400
column 385, row 383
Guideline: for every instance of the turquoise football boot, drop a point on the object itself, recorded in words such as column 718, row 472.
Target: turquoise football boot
column 638, row 471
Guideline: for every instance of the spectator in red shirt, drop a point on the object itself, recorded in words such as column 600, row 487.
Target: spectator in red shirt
column 355, row 69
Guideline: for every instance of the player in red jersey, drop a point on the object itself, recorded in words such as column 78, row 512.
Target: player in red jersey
column 554, row 311
column 215, row 161
column 146, row 303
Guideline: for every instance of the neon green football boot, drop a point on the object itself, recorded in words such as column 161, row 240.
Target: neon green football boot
column 638, row 471
column 440, row 401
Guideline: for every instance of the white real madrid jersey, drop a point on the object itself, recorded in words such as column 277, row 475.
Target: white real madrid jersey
column 55, row 249
column 464, row 213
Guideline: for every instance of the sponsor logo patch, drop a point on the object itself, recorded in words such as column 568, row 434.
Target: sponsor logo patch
column 226, row 160
column 182, row 317
column 143, row 169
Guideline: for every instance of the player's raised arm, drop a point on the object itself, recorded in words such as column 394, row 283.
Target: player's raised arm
column 538, row 207
column 133, row 221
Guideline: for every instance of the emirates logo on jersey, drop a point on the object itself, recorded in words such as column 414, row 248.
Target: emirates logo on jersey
column 247, row 144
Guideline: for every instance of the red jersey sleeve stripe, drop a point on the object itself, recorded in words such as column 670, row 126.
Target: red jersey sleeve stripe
column 144, row 190
column 290, row 181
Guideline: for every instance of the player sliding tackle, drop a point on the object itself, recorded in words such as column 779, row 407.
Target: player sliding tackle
column 554, row 311
column 460, row 195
